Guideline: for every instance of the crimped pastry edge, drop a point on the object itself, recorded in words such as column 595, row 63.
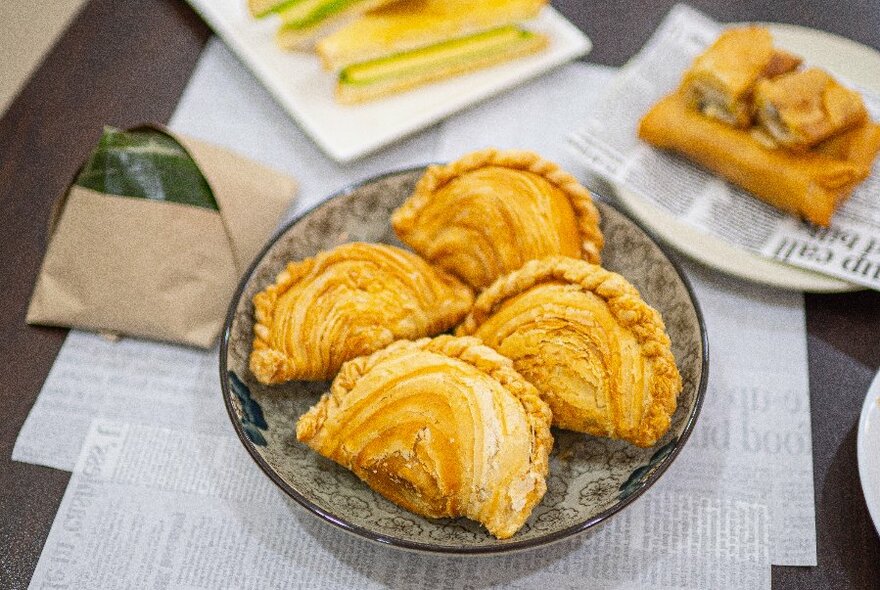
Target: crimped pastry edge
column 268, row 365
column 628, row 308
column 435, row 177
column 472, row 351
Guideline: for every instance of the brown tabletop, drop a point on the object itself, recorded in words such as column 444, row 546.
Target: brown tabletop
column 126, row 62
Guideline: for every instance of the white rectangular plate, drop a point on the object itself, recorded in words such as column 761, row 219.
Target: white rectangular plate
column 345, row 133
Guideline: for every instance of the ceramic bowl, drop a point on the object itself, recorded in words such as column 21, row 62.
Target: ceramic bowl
column 590, row 479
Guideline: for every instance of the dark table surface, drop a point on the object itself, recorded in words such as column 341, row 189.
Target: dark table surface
column 123, row 62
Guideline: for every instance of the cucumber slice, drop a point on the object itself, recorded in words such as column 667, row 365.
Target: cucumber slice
column 307, row 13
column 263, row 8
column 442, row 55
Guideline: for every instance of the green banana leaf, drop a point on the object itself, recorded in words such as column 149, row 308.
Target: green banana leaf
column 146, row 164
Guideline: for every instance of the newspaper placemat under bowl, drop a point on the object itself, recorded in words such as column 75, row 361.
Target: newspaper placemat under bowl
column 590, row 478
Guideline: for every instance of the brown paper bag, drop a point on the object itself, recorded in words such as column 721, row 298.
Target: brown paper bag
column 158, row 269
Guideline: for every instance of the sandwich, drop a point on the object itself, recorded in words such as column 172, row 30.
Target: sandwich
column 414, row 42
column 303, row 21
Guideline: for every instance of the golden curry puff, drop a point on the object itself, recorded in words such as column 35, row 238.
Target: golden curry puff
column 347, row 302
column 443, row 427
column 487, row 213
column 582, row 335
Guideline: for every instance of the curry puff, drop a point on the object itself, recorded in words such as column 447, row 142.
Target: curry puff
column 347, row 302
column 443, row 427
column 810, row 184
column 486, row 214
column 720, row 81
column 597, row 353
column 801, row 109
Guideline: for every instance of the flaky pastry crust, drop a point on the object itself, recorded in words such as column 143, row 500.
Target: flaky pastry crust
column 487, row 213
column 598, row 354
column 347, row 302
column 443, row 427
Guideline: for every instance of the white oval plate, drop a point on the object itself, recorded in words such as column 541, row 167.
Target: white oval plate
column 846, row 58
column 868, row 450
column 348, row 132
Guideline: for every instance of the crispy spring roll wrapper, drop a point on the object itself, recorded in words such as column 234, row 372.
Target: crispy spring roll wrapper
column 801, row 109
column 810, row 185
column 720, row 81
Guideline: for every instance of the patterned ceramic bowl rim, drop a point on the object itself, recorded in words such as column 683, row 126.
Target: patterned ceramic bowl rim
column 416, row 546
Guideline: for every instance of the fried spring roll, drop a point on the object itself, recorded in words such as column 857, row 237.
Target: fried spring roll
column 801, row 109
column 810, row 185
column 720, row 81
